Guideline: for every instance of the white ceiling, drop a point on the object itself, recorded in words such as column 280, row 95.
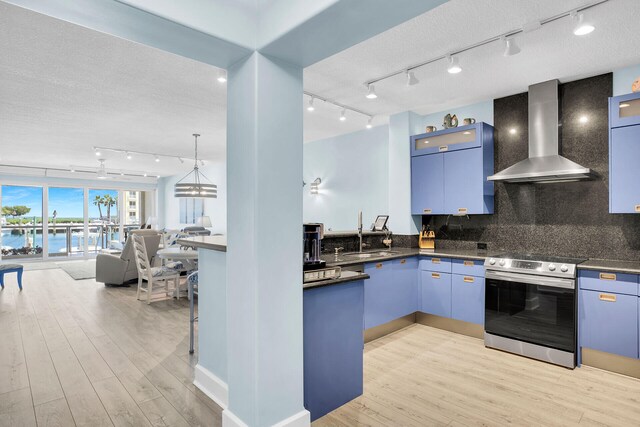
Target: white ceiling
column 550, row 52
column 65, row 89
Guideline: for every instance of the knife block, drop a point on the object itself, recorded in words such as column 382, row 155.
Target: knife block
column 427, row 240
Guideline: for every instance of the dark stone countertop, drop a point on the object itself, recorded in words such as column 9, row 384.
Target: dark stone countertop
column 214, row 243
column 632, row 267
column 345, row 277
column 344, row 260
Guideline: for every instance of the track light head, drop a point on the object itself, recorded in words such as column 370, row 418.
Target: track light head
column 581, row 26
column 510, row 47
column 129, row 156
column 311, row 107
column 371, row 93
column 411, row 78
column 222, row 76
column 157, row 159
column 453, row 66
column 369, row 125
column 343, row 115
column 97, row 152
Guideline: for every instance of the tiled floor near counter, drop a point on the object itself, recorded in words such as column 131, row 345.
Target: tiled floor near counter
column 422, row 376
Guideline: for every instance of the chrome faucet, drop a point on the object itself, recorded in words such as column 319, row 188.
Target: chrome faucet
column 360, row 229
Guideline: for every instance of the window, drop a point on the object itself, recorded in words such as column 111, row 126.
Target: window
column 190, row 210
column 132, row 204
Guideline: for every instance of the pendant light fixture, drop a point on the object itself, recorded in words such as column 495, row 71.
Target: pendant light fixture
column 195, row 184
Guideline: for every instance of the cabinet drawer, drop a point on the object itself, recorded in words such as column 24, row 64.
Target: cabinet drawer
column 442, row 265
column 467, row 298
column 608, row 282
column 467, row 267
column 609, row 322
column 435, row 293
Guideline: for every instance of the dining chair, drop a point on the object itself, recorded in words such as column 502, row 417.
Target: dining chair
column 162, row 276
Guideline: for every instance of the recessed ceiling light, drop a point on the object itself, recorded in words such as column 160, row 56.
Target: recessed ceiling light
column 584, row 119
column 371, row 94
column 512, row 131
column 510, row 47
column 222, row 76
column 343, row 115
column 411, row 78
column 581, row 26
column 311, row 107
column 454, row 65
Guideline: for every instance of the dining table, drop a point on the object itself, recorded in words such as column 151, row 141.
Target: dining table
column 187, row 256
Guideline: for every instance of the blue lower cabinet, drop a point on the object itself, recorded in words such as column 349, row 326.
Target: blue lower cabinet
column 435, row 293
column 333, row 343
column 378, row 289
column 391, row 292
column 405, row 290
column 467, row 298
column 609, row 322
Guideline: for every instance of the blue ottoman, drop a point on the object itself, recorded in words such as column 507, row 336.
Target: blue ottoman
column 11, row 268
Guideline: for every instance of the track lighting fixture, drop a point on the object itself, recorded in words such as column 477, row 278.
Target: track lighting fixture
column 102, row 172
column 310, row 107
column 510, row 47
column 411, row 78
column 343, row 108
column 222, row 76
column 581, row 26
column 129, row 156
column 371, row 94
column 97, row 152
column 454, row 65
column 369, row 125
column 157, row 159
column 343, row 115
column 181, row 159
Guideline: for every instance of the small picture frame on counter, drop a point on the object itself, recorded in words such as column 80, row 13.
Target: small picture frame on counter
column 381, row 223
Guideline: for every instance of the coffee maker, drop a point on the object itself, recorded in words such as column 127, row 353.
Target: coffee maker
column 312, row 238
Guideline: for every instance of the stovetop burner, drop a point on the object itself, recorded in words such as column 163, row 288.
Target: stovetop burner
column 541, row 258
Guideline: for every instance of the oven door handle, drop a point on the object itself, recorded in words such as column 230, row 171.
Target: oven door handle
column 552, row 282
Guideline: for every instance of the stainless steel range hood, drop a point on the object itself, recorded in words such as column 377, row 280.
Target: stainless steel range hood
column 545, row 164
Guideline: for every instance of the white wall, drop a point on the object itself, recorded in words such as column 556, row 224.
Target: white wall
column 216, row 209
column 354, row 173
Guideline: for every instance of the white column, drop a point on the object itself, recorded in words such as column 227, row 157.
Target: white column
column 264, row 253
column 400, row 130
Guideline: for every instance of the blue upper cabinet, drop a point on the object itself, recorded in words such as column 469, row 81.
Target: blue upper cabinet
column 427, row 184
column 624, row 154
column 624, row 110
column 449, row 171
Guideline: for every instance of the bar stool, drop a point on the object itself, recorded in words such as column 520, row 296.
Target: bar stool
column 192, row 286
column 11, row 268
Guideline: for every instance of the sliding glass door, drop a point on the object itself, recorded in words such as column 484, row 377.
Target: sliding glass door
column 66, row 221
column 21, row 222
column 104, row 221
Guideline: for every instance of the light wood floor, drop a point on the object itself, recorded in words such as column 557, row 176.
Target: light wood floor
column 77, row 353
column 422, row 376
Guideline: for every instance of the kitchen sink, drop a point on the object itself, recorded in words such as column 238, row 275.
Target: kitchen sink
column 368, row 254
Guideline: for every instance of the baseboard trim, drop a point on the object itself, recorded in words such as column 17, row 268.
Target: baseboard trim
column 452, row 325
column 389, row 327
column 216, row 389
column 301, row 419
column 611, row 362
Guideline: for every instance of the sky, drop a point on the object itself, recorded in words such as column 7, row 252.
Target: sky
column 68, row 202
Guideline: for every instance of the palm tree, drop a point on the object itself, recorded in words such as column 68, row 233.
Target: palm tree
column 98, row 201
column 108, row 201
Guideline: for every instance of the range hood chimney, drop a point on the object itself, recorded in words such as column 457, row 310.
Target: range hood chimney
column 544, row 164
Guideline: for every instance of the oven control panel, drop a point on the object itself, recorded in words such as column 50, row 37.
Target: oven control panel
column 555, row 267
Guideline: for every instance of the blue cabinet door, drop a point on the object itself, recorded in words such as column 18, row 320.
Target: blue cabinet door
column 609, row 322
column 624, row 110
column 404, row 292
column 624, row 173
column 464, row 182
column 467, row 298
column 333, row 341
column 435, row 293
column 378, row 308
column 427, row 184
